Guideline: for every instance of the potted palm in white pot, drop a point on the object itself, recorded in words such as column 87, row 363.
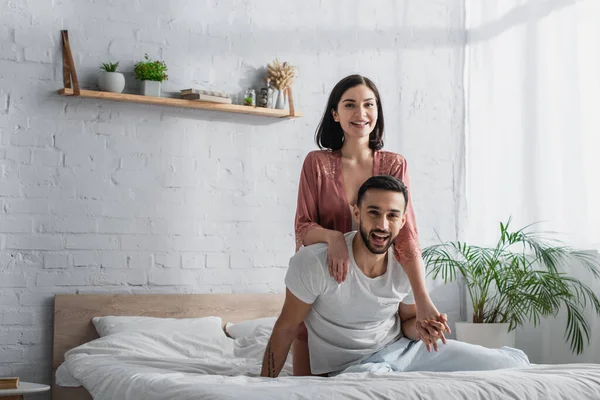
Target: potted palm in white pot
column 520, row 280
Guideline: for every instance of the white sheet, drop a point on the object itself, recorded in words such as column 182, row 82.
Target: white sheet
column 160, row 365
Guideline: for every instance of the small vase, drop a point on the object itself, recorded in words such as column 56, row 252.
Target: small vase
column 280, row 105
column 151, row 88
column 111, row 81
column 274, row 95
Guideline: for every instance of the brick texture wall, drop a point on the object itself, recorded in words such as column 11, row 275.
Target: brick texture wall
column 119, row 197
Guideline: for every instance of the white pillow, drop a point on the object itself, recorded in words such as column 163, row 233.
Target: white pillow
column 251, row 327
column 211, row 326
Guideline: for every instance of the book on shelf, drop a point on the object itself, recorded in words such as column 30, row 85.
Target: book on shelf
column 9, row 383
column 185, row 92
column 207, row 98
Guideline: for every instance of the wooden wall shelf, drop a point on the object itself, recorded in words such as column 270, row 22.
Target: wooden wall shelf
column 71, row 88
column 167, row 101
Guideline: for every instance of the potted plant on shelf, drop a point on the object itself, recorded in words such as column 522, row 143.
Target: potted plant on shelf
column 520, row 280
column 109, row 79
column 151, row 73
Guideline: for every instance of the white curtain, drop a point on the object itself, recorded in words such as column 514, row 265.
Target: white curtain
column 532, row 77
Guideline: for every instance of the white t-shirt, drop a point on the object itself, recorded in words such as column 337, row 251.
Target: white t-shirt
column 348, row 321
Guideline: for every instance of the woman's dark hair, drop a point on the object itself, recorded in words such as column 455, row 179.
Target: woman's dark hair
column 329, row 133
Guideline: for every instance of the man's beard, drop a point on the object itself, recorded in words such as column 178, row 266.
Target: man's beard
column 376, row 249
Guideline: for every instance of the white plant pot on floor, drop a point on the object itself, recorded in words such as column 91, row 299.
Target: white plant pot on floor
column 111, row 81
column 151, row 88
column 492, row 336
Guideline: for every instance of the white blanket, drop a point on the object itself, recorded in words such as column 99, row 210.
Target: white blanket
column 177, row 366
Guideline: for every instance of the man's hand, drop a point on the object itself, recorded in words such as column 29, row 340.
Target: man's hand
column 430, row 331
column 426, row 311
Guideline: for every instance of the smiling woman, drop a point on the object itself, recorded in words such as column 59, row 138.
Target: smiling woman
column 350, row 136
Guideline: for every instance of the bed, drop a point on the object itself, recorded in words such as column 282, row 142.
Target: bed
column 73, row 315
column 73, row 330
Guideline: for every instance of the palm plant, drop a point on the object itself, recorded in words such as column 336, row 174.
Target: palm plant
column 520, row 280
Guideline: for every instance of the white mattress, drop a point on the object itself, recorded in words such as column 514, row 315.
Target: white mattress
column 160, row 365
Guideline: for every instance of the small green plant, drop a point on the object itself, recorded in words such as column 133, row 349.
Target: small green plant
column 150, row 70
column 110, row 67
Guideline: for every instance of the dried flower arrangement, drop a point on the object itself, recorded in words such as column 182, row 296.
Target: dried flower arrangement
column 281, row 74
column 282, row 77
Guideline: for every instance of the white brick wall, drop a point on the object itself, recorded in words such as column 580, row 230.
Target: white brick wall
column 117, row 197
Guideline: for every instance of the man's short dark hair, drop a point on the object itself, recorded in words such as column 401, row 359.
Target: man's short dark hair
column 383, row 182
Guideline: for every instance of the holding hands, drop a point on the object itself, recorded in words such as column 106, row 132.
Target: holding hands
column 431, row 325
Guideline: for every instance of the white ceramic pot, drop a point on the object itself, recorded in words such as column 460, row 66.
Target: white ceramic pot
column 280, row 104
column 111, row 81
column 492, row 336
column 151, row 88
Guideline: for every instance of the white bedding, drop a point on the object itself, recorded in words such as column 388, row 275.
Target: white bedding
column 180, row 365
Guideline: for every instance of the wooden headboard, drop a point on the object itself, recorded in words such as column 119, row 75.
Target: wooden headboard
column 73, row 315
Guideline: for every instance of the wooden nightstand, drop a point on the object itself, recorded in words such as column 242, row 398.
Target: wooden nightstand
column 23, row 390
